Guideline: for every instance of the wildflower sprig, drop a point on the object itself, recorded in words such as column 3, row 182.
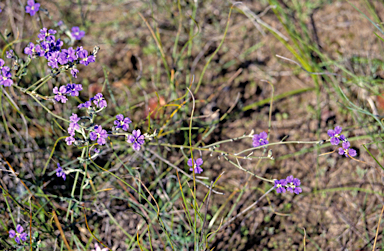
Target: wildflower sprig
column 336, row 137
column 289, row 184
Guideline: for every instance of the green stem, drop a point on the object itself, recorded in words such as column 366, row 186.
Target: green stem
column 10, row 211
column 42, row 83
column 57, row 116
column 36, row 83
column 245, row 170
column 279, row 143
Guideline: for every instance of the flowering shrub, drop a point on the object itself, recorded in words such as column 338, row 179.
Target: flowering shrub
column 94, row 138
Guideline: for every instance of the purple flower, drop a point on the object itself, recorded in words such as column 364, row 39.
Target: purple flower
column 97, row 151
column 5, row 77
column 85, row 105
column 74, row 89
column 18, row 234
column 260, row 139
column 74, row 118
column 60, row 94
column 74, row 72
column 9, row 54
column 136, row 139
column 45, row 49
column 345, row 150
column 29, row 50
column 73, row 126
column 67, row 56
column 77, row 33
column 69, row 140
column 335, row 135
column 100, row 134
column 280, row 185
column 99, row 101
column 60, row 23
column 60, row 172
column 47, row 35
column 53, row 59
column 122, row 122
column 56, row 46
column 1, row 10
column 197, row 165
column 293, row 185
column 49, row 47
column 84, row 58
column 32, row 7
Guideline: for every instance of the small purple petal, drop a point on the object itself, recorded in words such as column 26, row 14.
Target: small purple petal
column 23, row 236
column 338, row 129
column 335, row 141
column 298, row 190
column 346, row 144
column 19, row 229
column 283, row 182
column 296, row 182
column 289, row 179
column 12, row 233
column 136, row 146
column 352, row 152
column 263, row 135
column 331, row 133
column 120, row 117
column 131, row 139
column 199, row 162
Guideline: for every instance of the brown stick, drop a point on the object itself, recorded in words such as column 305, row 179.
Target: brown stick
column 61, row 230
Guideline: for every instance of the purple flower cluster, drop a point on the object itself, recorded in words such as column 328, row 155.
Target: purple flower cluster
column 122, row 123
column 137, row 139
column 346, row 151
column 60, row 172
column 32, row 7
column 18, row 235
column 73, row 126
column 98, row 100
column 97, row 133
column 336, row 137
column 291, row 184
column 50, row 48
column 196, row 167
column 63, row 91
column 5, row 74
column 87, row 104
column 10, row 54
column 260, row 139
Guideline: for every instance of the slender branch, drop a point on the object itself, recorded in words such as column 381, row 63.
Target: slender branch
column 180, row 170
column 247, row 209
